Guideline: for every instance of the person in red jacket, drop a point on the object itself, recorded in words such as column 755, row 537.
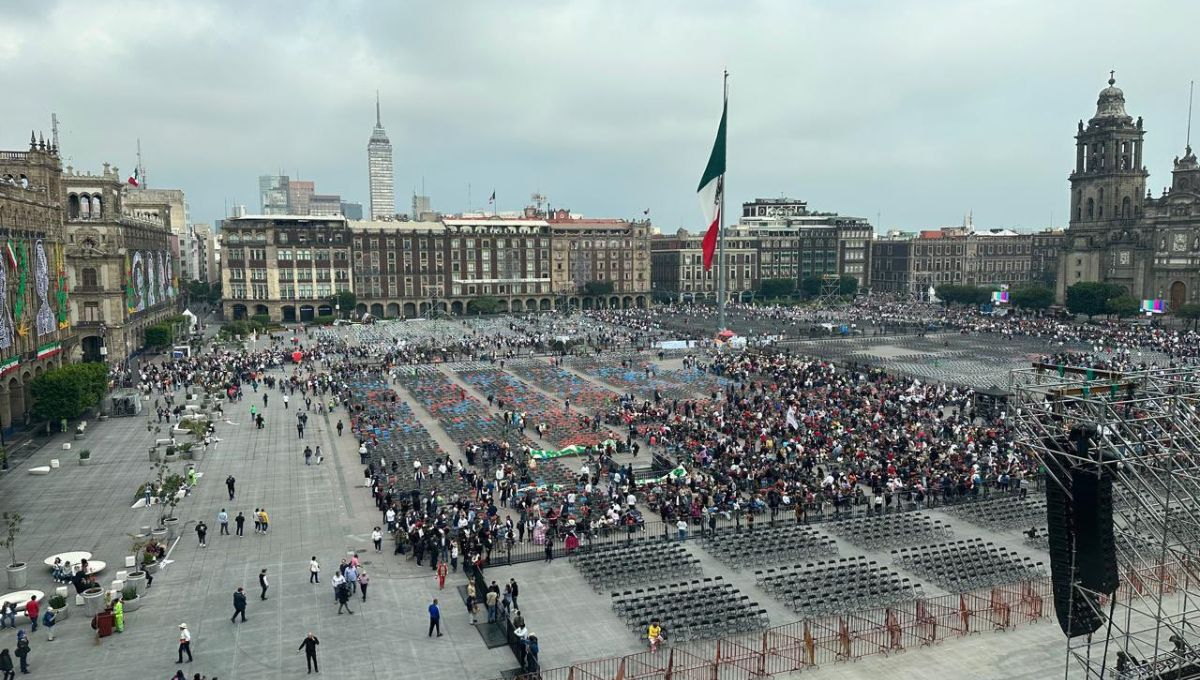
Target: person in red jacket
column 33, row 609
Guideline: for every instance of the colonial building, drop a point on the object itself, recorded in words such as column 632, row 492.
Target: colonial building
column 796, row 243
column 284, row 267
column 600, row 262
column 677, row 266
column 406, row 269
column 35, row 296
column 957, row 256
column 1119, row 232
column 123, row 269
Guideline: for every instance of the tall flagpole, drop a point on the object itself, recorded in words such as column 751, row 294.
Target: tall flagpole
column 721, row 272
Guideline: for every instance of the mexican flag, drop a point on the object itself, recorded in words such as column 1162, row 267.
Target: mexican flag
column 9, row 365
column 711, row 189
column 49, row 350
column 10, row 255
column 133, row 179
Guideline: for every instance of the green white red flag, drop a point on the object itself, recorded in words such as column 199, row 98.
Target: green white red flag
column 711, row 190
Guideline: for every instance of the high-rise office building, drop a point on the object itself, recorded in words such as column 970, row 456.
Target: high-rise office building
column 325, row 205
column 379, row 170
column 352, row 211
column 299, row 196
column 273, row 194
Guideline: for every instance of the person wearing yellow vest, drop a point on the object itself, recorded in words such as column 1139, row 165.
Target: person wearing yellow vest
column 654, row 634
column 119, row 616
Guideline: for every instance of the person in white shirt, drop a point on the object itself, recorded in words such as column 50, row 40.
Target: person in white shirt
column 314, row 570
column 338, row 580
column 377, row 539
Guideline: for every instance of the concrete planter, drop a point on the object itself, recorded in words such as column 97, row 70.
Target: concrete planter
column 85, row 461
column 93, row 600
column 17, row 576
column 133, row 605
column 172, row 525
column 151, row 568
column 137, row 579
column 159, row 534
column 61, row 615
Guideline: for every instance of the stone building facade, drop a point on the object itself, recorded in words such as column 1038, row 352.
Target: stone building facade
column 677, row 266
column 402, row 269
column 796, row 242
column 35, row 297
column 123, row 269
column 1119, row 232
column 954, row 256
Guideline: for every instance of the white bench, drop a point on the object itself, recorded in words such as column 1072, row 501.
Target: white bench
column 40, row 470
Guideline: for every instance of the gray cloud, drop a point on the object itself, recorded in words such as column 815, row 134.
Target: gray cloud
column 920, row 111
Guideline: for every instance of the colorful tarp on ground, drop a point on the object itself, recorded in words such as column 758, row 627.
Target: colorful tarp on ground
column 546, row 454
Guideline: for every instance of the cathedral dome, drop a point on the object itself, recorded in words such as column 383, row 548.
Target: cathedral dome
column 1111, row 102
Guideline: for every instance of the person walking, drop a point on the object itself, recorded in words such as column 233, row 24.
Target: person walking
column 339, row 427
column 264, row 520
column 492, row 600
column 435, row 619
column 22, row 650
column 202, row 533
column 343, row 598
column 441, row 575
column 6, row 666
column 239, row 605
column 223, row 522
column 516, row 589
column 240, row 521
column 257, row 521
column 230, row 484
column 377, row 539
column 363, row 582
column 185, row 643
column 472, row 602
column 33, row 609
column 309, row 645
column 48, row 621
column 263, row 583
column 314, row 570
column 351, row 576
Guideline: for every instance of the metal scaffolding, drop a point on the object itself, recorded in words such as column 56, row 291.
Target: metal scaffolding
column 1142, row 428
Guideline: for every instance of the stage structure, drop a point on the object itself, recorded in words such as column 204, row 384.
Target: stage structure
column 1121, row 452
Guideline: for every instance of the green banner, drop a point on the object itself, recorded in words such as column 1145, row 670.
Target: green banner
column 574, row 450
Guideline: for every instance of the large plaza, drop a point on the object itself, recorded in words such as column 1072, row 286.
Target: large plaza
column 776, row 576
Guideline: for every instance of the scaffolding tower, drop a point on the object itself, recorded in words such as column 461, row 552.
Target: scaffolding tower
column 1143, row 429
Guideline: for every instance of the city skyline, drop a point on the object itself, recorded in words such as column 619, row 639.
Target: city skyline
column 921, row 113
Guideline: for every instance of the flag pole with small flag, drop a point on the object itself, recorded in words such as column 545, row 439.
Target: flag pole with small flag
column 492, row 202
column 712, row 201
column 133, row 179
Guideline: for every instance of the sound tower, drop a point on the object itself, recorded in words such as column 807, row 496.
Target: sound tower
column 1095, row 550
column 1076, row 610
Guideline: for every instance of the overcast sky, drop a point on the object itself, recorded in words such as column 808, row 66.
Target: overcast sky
column 915, row 111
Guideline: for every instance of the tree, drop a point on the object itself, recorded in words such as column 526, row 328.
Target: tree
column 12, row 529
column 66, row 392
column 1121, row 305
column 1189, row 312
column 774, row 288
column 347, row 301
column 598, row 287
column 483, row 305
column 1031, row 297
column 811, row 285
column 847, row 285
column 159, row 335
column 1091, row 297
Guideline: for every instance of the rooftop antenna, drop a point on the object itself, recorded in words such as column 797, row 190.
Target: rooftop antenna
column 140, row 166
column 54, row 128
column 378, row 118
column 1191, row 91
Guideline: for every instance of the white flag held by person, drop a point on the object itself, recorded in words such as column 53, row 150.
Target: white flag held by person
column 791, row 418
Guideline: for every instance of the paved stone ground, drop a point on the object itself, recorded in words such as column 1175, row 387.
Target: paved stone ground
column 323, row 511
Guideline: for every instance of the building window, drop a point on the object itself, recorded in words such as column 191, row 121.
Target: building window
column 89, row 278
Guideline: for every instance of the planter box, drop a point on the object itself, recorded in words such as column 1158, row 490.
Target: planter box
column 159, row 534
column 61, row 615
column 93, row 599
column 172, row 524
column 151, row 568
column 137, row 579
column 85, row 461
column 17, row 576
column 133, row 605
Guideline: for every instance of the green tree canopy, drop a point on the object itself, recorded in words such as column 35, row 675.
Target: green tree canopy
column 1121, row 305
column 598, row 287
column 811, row 285
column 483, row 305
column 347, row 301
column 1032, row 297
column 159, row 335
column 772, row 288
column 847, row 285
column 1189, row 312
column 1091, row 297
column 68, row 391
